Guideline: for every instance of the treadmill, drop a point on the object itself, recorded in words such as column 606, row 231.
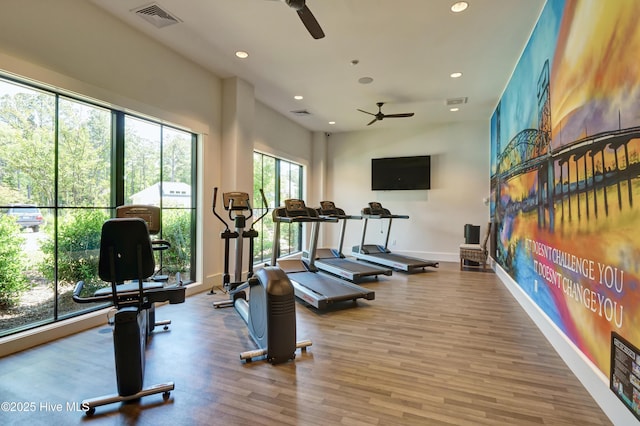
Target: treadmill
column 381, row 255
column 318, row 290
column 334, row 261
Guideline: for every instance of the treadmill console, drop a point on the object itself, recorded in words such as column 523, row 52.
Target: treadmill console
column 235, row 201
column 376, row 208
column 328, row 208
column 327, row 205
column 295, row 207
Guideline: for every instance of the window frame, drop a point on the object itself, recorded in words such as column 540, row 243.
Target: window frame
column 116, row 186
column 293, row 231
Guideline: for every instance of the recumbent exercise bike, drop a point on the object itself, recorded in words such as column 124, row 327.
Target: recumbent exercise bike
column 126, row 261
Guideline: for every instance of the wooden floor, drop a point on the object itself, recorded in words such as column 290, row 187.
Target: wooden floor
column 443, row 347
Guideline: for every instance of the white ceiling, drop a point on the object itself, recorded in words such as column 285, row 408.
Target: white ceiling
column 408, row 47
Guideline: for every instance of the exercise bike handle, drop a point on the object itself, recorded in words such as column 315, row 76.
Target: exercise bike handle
column 91, row 299
column 107, row 297
column 173, row 294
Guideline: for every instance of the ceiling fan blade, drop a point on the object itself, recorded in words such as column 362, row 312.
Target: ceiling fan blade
column 380, row 116
column 310, row 22
column 366, row 112
column 406, row 114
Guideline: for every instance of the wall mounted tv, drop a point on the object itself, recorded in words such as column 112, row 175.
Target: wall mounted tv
column 400, row 173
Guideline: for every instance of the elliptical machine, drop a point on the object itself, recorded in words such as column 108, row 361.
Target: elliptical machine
column 270, row 309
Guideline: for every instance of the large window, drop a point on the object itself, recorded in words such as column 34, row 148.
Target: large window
column 65, row 164
column 280, row 180
column 158, row 170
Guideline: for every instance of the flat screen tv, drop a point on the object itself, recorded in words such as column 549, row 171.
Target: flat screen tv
column 401, row 173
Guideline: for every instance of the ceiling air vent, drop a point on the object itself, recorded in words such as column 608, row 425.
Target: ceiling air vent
column 301, row 113
column 456, row 101
column 156, row 16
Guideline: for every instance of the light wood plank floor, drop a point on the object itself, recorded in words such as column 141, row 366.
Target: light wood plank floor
column 443, row 347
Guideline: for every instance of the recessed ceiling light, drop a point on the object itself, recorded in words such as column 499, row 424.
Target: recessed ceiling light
column 332, row 122
column 298, row 97
column 365, row 80
column 242, row 54
column 459, row 6
column 456, row 74
column 454, row 109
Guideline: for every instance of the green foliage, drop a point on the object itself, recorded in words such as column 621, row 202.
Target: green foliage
column 78, row 247
column 176, row 228
column 12, row 264
column 26, row 141
column 27, row 150
column 84, row 149
column 267, row 171
column 9, row 196
column 264, row 177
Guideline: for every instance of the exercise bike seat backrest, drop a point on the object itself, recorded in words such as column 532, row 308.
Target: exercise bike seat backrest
column 126, row 252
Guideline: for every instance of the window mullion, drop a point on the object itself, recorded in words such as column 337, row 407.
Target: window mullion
column 118, row 126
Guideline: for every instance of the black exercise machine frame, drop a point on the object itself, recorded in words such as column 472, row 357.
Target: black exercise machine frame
column 269, row 307
column 134, row 304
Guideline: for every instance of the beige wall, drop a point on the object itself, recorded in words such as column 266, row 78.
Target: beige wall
column 281, row 137
column 459, row 182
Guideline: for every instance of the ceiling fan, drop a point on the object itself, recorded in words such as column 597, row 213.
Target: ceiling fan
column 380, row 116
column 306, row 17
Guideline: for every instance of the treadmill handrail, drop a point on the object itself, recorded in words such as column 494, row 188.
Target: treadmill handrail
column 344, row 216
column 385, row 216
column 327, row 218
column 376, row 211
column 298, row 219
